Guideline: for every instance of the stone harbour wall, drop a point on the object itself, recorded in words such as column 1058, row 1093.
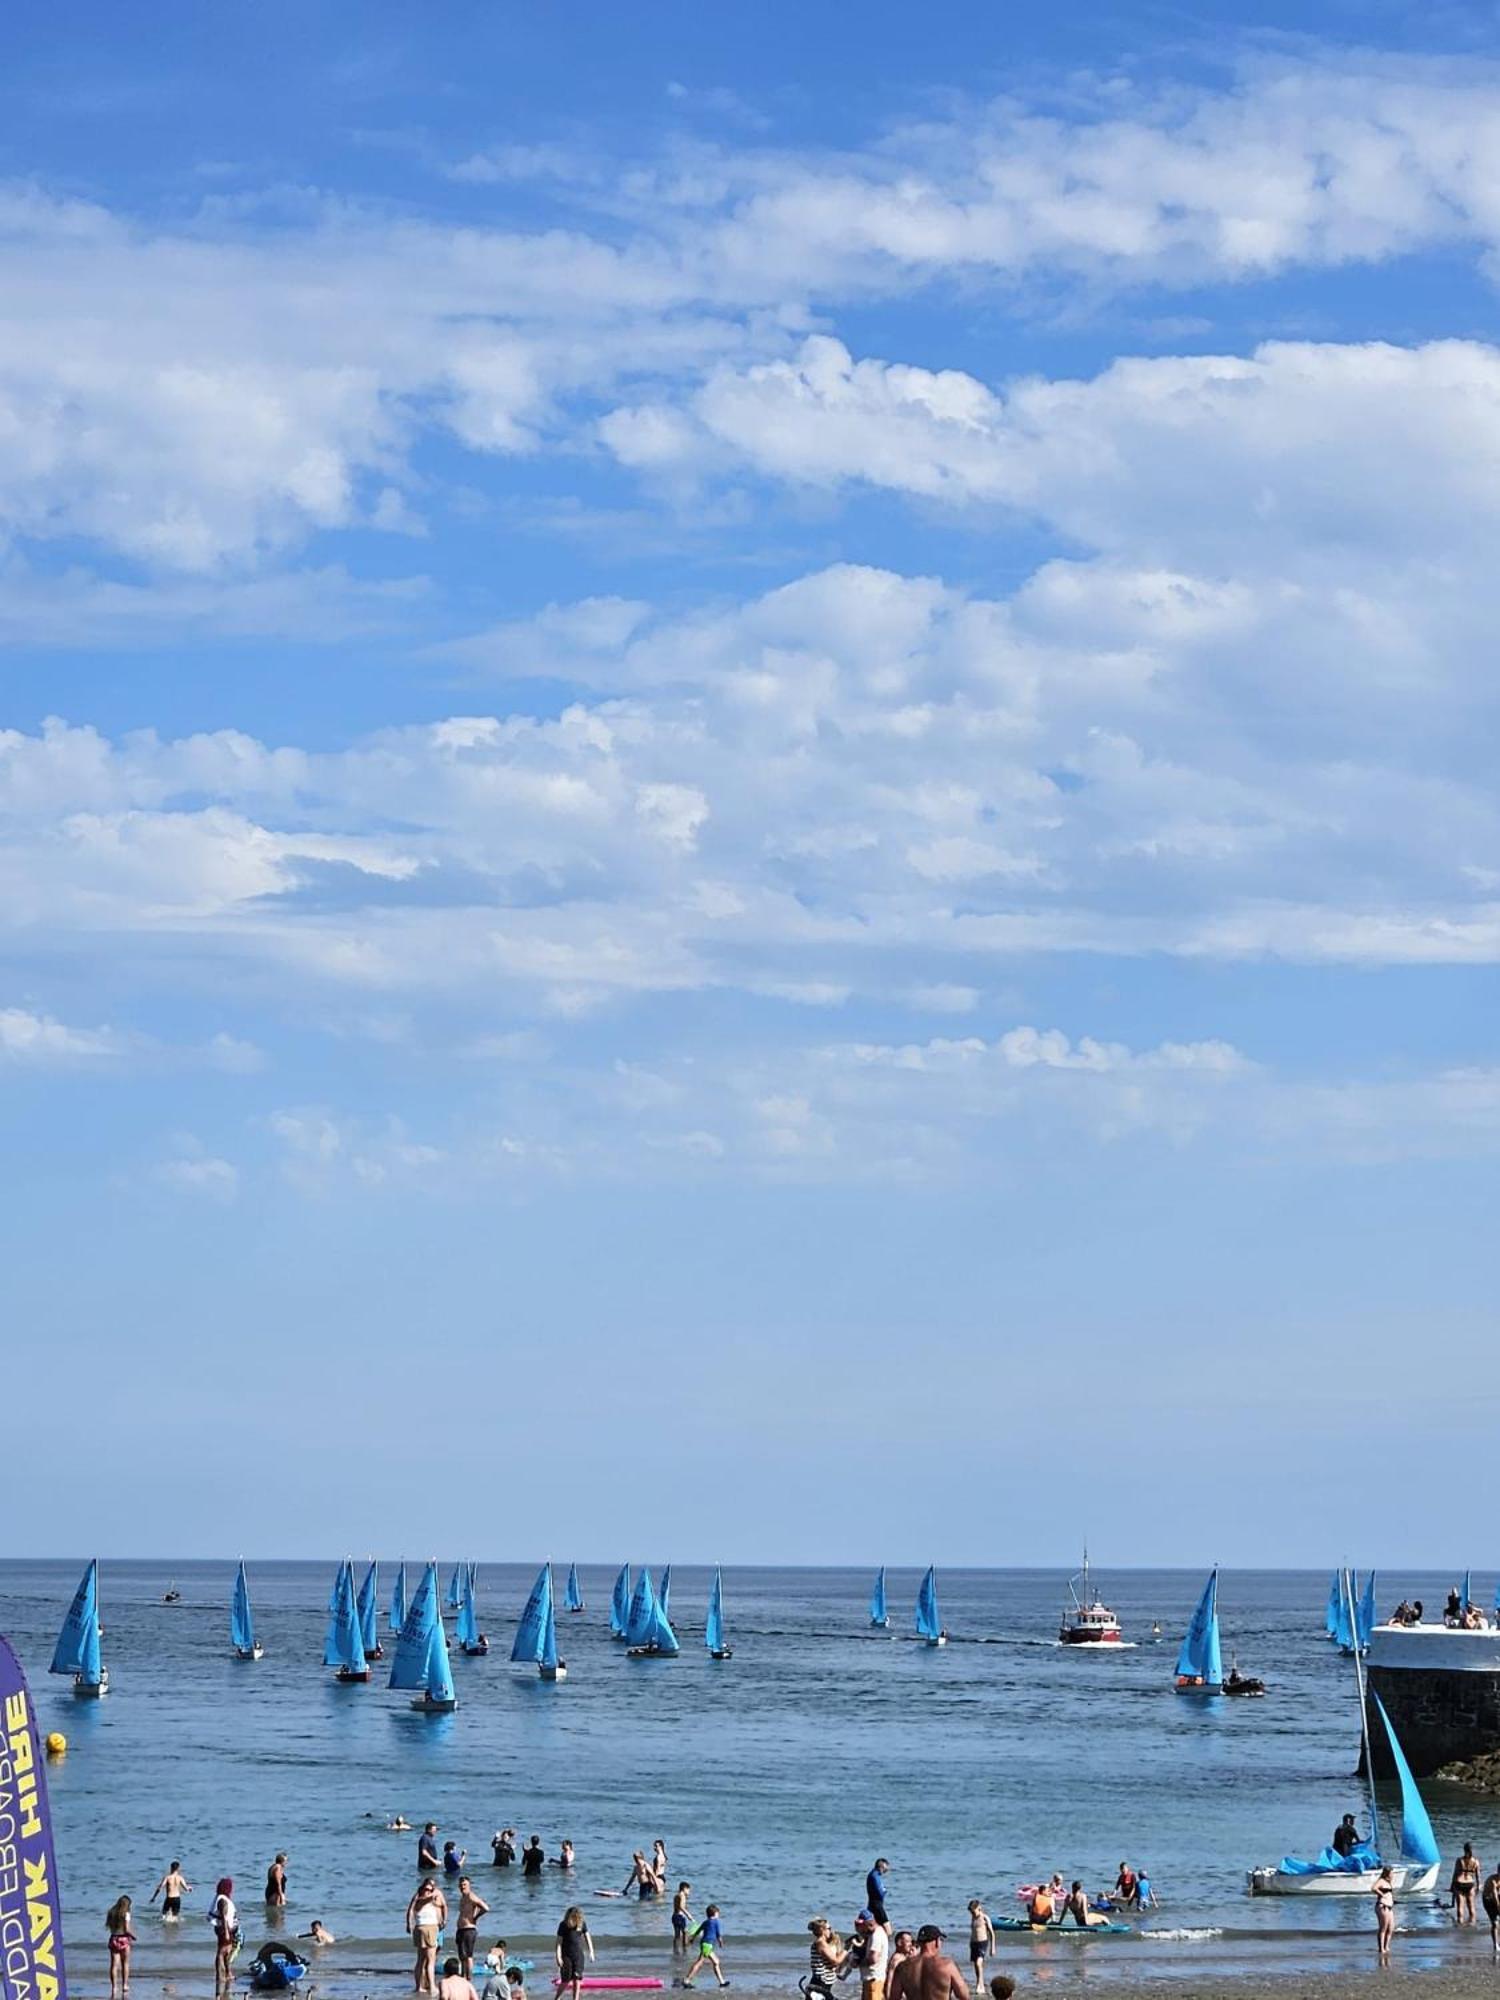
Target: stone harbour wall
column 1442, row 1717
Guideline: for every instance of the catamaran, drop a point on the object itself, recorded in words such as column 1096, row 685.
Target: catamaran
column 1355, row 1874
column 398, row 1598
column 344, row 1641
column 929, row 1622
column 536, row 1635
column 880, row 1616
column 241, row 1624
column 648, row 1630
column 471, row 1640
column 1088, row 1621
column 713, row 1631
column 1200, row 1662
column 421, row 1660
column 367, row 1607
column 572, row 1592
column 619, row 1604
column 77, row 1651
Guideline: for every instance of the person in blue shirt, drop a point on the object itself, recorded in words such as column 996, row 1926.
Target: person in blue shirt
column 708, row 1937
column 454, row 1857
column 427, row 1854
column 875, row 1893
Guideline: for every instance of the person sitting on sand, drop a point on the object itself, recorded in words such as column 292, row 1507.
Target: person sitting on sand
column 1076, row 1906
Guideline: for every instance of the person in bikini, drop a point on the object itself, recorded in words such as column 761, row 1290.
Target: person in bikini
column 1465, row 1885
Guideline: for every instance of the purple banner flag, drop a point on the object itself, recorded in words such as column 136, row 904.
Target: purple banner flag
column 31, row 1948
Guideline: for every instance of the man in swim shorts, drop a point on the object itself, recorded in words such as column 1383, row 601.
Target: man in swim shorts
column 931, row 1975
column 708, row 1937
column 466, row 1932
column 172, row 1887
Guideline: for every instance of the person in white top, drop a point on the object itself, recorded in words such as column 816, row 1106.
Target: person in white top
column 226, row 1922
column 426, row 1915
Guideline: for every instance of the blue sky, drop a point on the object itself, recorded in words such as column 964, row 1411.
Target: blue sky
column 747, row 773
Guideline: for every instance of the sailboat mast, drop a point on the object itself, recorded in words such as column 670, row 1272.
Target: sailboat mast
column 1364, row 1713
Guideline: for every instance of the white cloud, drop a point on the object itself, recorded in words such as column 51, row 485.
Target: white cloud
column 38, row 1041
column 201, row 1174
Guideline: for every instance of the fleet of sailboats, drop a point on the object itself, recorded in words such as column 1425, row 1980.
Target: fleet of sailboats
column 78, row 1644
column 241, row 1624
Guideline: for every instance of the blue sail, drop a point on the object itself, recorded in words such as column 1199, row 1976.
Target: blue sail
column 529, row 1632
column 640, row 1626
column 1364, row 1616
column 664, row 1592
column 91, row 1662
column 572, row 1595
column 343, row 1644
column 1331, row 1615
column 73, row 1642
column 549, row 1627
column 1468, row 1595
column 713, row 1631
column 398, row 1598
column 929, row 1623
column 456, row 1587
column 619, row 1603
column 1344, row 1629
column 663, row 1638
column 438, row 1678
column 879, row 1615
column 1199, row 1659
column 413, row 1642
column 467, row 1629
column 368, row 1610
column 1418, row 1844
column 241, row 1624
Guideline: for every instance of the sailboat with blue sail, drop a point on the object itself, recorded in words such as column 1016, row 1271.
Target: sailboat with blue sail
column 572, row 1590
column 241, row 1624
column 368, row 1607
column 421, row 1658
column 713, row 1630
column 648, row 1632
column 1365, row 1614
column 471, row 1640
column 398, row 1598
column 1343, row 1633
column 1356, row 1873
column 929, row 1620
column 1331, row 1614
column 456, row 1587
column 619, row 1604
column 536, row 1635
column 664, row 1592
column 78, row 1649
column 1200, row 1663
column 344, row 1640
column 880, row 1616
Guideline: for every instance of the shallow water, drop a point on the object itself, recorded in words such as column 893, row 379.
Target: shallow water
column 774, row 1778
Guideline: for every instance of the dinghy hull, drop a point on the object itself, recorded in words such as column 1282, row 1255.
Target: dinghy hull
column 1405, row 1881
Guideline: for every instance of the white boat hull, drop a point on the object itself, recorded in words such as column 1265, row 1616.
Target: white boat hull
column 249, row 1652
column 91, row 1690
column 557, row 1673
column 1405, row 1882
column 427, row 1704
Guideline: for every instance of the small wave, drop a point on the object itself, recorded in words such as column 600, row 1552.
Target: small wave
column 1184, row 1936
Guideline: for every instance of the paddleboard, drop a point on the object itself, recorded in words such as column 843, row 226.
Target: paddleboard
column 1062, row 1930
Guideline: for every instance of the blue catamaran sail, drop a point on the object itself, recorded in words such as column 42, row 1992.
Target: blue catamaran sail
column 398, row 1598
column 929, row 1621
column 879, row 1615
column 1331, row 1615
column 713, row 1630
column 78, row 1650
column 664, row 1592
column 1200, row 1664
column 1364, row 1616
column 367, row 1605
column 1418, row 1843
column 572, row 1594
column 528, row 1640
column 241, row 1624
column 619, row 1604
column 343, row 1643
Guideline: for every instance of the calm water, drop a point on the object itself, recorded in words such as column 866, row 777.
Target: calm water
column 774, row 1779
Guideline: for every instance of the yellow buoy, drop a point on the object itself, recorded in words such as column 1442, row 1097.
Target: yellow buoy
column 57, row 1744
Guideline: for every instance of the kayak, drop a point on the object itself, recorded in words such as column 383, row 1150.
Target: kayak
column 1055, row 1929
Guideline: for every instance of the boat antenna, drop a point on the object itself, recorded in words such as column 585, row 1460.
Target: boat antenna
column 1347, row 1586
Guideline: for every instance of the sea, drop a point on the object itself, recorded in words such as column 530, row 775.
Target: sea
column 774, row 1778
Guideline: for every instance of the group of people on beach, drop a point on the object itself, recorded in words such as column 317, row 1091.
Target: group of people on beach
column 897, row 1964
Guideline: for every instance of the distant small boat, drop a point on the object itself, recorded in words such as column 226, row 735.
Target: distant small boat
column 1236, row 1683
column 367, row 1605
column 421, row 1656
column 1088, row 1620
column 171, row 1595
column 398, row 1598
column 1331, row 1612
column 78, row 1649
column 241, row 1624
column 573, row 1592
column 343, row 1642
column 928, row 1619
column 619, row 1604
column 713, row 1631
column 664, row 1592
column 471, row 1640
column 536, row 1635
column 648, row 1631
column 1200, row 1663
column 880, row 1616
column 456, row 1587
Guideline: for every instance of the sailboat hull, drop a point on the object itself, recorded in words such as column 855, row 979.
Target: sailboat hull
column 1199, row 1687
column 431, row 1704
column 91, row 1690
column 722, row 1653
column 249, row 1652
column 1405, row 1881
column 940, row 1640
column 557, row 1673
column 346, row 1676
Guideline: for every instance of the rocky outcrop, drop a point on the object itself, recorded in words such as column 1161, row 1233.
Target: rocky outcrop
column 1480, row 1774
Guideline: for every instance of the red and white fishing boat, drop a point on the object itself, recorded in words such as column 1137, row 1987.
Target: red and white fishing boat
column 1088, row 1620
